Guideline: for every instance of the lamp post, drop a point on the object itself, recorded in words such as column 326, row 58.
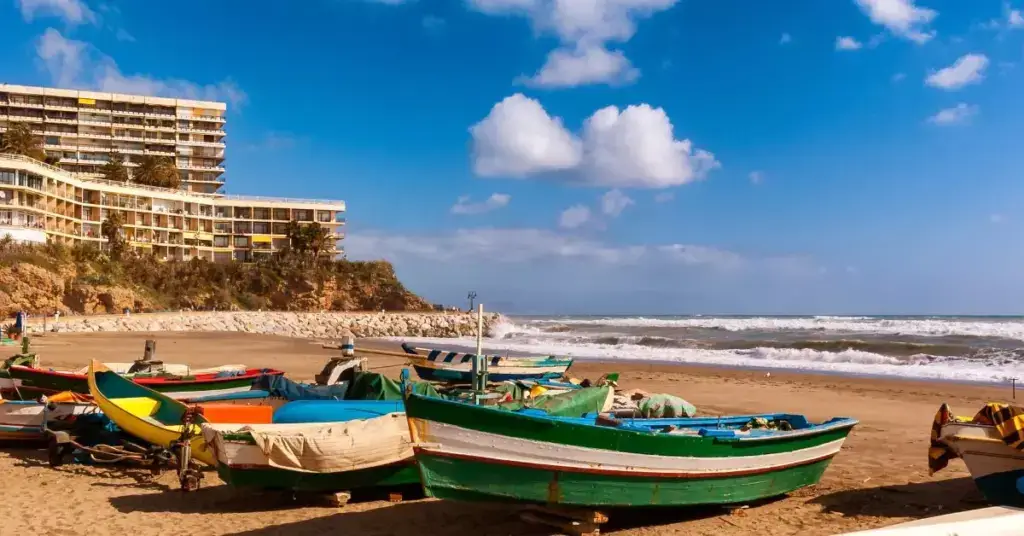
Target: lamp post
column 472, row 298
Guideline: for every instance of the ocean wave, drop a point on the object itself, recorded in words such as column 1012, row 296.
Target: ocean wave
column 932, row 327
column 921, row 366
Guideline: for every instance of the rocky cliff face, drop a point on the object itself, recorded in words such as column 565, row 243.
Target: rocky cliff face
column 44, row 279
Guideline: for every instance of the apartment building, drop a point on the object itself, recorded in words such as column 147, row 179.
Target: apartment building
column 81, row 129
column 40, row 202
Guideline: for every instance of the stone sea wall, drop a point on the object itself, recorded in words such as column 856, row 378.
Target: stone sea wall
column 305, row 325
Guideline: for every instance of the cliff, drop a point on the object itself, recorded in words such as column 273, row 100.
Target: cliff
column 82, row 280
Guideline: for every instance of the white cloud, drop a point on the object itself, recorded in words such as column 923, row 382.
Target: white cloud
column 786, row 38
column 494, row 202
column 574, row 216
column 664, row 197
column 64, row 58
column 519, row 138
column 634, row 147
column 72, row 63
column 695, row 255
column 72, row 12
column 614, row 202
column 583, row 66
column 957, row 115
column 901, row 17
column 1015, row 19
column 584, row 28
column 756, row 177
column 847, row 43
column 898, row 77
column 968, row 69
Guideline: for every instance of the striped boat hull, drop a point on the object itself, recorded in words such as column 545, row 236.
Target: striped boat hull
column 464, row 454
column 36, row 382
column 997, row 468
column 457, row 367
column 24, row 420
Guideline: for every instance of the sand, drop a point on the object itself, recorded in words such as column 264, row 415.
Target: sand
column 879, row 478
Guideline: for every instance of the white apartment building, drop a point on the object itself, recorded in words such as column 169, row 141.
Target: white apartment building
column 81, row 128
column 68, row 202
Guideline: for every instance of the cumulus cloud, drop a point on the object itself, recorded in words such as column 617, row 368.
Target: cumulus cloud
column 72, row 12
column 901, row 17
column 1015, row 19
column 634, row 147
column 614, row 202
column 583, row 66
column 847, row 43
column 968, row 69
column 957, row 115
column 574, row 216
column 519, row 138
column 585, row 28
column 73, row 63
column 465, row 206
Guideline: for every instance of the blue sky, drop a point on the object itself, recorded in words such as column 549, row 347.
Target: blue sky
column 607, row 156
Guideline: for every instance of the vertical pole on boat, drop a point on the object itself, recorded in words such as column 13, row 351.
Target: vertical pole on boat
column 478, row 359
column 1013, row 385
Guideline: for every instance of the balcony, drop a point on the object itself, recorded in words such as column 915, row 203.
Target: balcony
column 128, row 113
column 160, row 115
column 196, row 167
column 25, row 118
column 61, row 107
column 159, row 153
column 62, row 120
column 94, row 122
column 22, row 104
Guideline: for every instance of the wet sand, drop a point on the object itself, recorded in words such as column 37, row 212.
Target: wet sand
column 879, row 478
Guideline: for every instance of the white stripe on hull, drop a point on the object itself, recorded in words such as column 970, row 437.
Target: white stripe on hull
column 981, row 449
column 451, row 439
column 992, row 521
column 207, row 392
column 499, row 369
column 12, row 414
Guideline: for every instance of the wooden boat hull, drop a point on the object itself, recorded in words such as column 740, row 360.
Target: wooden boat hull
column 457, row 367
column 35, row 382
column 272, row 478
column 143, row 412
column 24, row 420
column 482, row 454
column 997, row 468
column 991, row 521
column 325, row 457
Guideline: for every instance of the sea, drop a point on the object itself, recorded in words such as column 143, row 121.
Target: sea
column 953, row 348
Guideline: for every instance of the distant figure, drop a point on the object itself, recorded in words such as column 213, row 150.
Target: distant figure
column 127, row 311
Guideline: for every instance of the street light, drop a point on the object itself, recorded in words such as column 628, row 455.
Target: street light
column 471, row 297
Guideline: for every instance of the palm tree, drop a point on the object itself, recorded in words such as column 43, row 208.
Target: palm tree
column 112, row 230
column 157, row 171
column 19, row 139
column 318, row 238
column 114, row 169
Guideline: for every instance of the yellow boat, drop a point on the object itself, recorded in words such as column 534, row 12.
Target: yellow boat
column 145, row 413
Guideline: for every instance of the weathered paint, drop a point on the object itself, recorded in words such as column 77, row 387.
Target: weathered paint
column 997, row 468
column 456, row 479
column 35, row 382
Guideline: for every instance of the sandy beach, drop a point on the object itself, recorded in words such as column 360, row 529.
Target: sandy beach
column 879, row 478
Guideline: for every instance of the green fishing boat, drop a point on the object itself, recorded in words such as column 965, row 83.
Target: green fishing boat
column 485, row 453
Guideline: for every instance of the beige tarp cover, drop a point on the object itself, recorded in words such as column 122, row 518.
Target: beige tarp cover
column 327, row 447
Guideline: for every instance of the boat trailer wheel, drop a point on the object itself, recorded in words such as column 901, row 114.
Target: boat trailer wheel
column 58, row 447
column 190, row 480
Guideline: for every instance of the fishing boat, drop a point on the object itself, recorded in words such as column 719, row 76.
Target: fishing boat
column 457, row 367
column 485, row 453
column 991, row 521
column 362, row 448
column 32, row 382
column 249, row 451
column 26, row 420
column 991, row 445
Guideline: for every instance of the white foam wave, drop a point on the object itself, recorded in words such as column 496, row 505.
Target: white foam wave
column 844, row 362
column 1008, row 329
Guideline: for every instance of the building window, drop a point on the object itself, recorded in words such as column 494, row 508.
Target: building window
column 241, row 242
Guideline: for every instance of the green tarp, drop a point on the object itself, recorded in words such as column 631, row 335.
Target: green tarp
column 574, row 403
column 376, row 386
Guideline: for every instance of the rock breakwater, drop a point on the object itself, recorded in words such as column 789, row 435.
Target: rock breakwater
column 304, row 325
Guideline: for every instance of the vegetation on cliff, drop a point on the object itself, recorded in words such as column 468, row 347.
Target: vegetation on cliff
column 41, row 279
